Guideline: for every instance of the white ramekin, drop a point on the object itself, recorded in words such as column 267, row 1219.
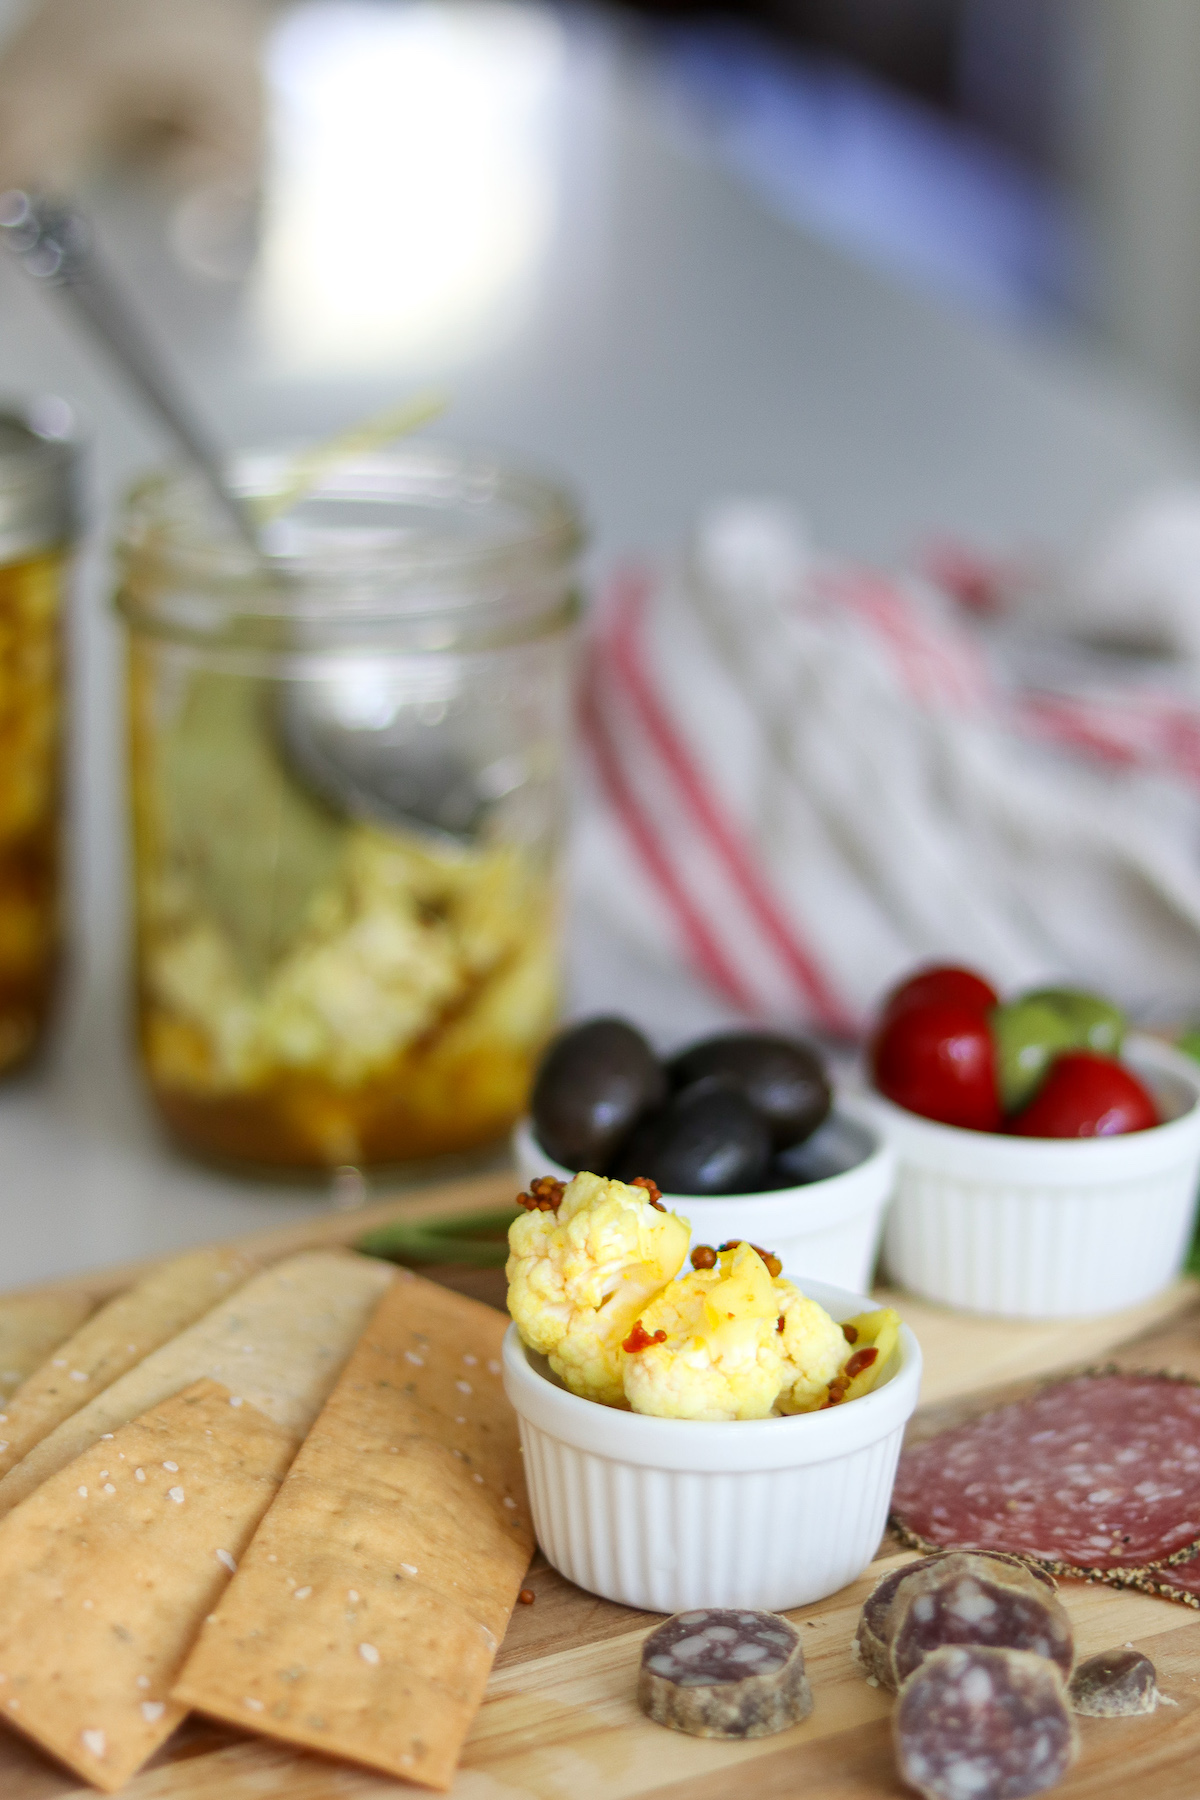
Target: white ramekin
column 1047, row 1228
column 821, row 1231
column 668, row 1514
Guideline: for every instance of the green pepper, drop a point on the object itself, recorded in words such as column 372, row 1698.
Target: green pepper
column 1098, row 1024
column 1028, row 1035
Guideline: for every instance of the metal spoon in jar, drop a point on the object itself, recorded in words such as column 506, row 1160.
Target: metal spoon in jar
column 54, row 246
column 373, row 773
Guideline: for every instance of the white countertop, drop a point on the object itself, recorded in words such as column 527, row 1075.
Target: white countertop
column 661, row 340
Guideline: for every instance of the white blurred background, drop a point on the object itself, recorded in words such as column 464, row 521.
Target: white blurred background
column 942, row 277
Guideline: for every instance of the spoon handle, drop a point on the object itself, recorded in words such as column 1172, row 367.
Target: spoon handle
column 54, row 245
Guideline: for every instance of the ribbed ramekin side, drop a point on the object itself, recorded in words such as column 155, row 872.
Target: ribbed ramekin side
column 668, row 1540
column 1035, row 1250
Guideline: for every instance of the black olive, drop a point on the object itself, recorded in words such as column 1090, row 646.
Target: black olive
column 783, row 1078
column 708, row 1139
column 777, row 1176
column 595, row 1082
column 836, row 1146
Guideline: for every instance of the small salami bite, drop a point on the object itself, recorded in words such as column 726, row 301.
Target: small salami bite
column 979, row 1723
column 969, row 1598
column 1098, row 1474
column 724, row 1672
column 1117, row 1684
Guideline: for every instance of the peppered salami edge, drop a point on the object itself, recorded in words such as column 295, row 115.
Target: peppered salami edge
column 1141, row 1576
column 1145, row 1583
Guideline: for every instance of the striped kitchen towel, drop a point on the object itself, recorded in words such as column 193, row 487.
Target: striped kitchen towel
column 808, row 777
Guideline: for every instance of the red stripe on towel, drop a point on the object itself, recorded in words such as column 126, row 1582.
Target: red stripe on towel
column 1143, row 730
column 935, row 666
column 630, row 593
column 703, row 947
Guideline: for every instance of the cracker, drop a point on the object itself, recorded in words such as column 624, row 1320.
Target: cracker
column 366, row 1613
column 279, row 1342
column 146, row 1315
column 107, row 1572
column 32, row 1326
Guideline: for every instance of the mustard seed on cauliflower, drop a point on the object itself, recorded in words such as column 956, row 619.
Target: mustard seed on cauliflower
column 814, row 1349
column 579, row 1277
column 721, row 1353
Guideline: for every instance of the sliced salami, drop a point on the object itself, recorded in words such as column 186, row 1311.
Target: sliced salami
column 1117, row 1684
column 724, row 1672
column 969, row 1598
column 869, row 1648
column 979, row 1723
column 992, row 1615
column 1098, row 1474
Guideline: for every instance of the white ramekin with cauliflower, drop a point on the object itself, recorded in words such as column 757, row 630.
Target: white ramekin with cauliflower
column 595, row 1286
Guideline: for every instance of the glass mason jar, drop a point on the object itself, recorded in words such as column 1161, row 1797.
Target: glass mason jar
column 37, row 522
column 348, row 798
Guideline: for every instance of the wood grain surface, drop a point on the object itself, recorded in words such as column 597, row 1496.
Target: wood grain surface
column 560, row 1722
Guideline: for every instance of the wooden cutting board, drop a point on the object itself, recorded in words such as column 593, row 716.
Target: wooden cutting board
column 559, row 1721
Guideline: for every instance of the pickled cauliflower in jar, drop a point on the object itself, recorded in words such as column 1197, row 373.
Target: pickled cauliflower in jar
column 318, row 988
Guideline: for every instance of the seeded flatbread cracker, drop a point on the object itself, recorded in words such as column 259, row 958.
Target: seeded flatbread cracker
column 32, row 1326
column 146, row 1315
column 107, row 1572
column 279, row 1342
column 366, row 1613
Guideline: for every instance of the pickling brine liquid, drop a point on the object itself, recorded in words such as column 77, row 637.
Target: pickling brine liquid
column 316, row 988
column 30, row 798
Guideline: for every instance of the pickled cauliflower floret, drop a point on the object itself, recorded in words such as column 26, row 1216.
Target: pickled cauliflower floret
column 579, row 1276
column 814, row 1349
column 711, row 1347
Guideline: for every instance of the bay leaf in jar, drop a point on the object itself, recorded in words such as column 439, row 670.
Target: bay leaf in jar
column 251, row 846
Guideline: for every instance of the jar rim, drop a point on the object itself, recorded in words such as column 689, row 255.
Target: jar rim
column 425, row 528
column 38, row 508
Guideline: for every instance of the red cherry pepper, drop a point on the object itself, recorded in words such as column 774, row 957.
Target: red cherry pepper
column 944, row 982
column 938, row 1060
column 640, row 1339
column 1085, row 1095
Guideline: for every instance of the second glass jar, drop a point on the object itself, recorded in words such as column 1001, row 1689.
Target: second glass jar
column 37, row 523
column 347, row 777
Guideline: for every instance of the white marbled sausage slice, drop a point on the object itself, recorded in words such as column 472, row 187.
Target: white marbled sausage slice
column 724, row 1672
column 966, row 1598
column 978, row 1723
column 872, row 1643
